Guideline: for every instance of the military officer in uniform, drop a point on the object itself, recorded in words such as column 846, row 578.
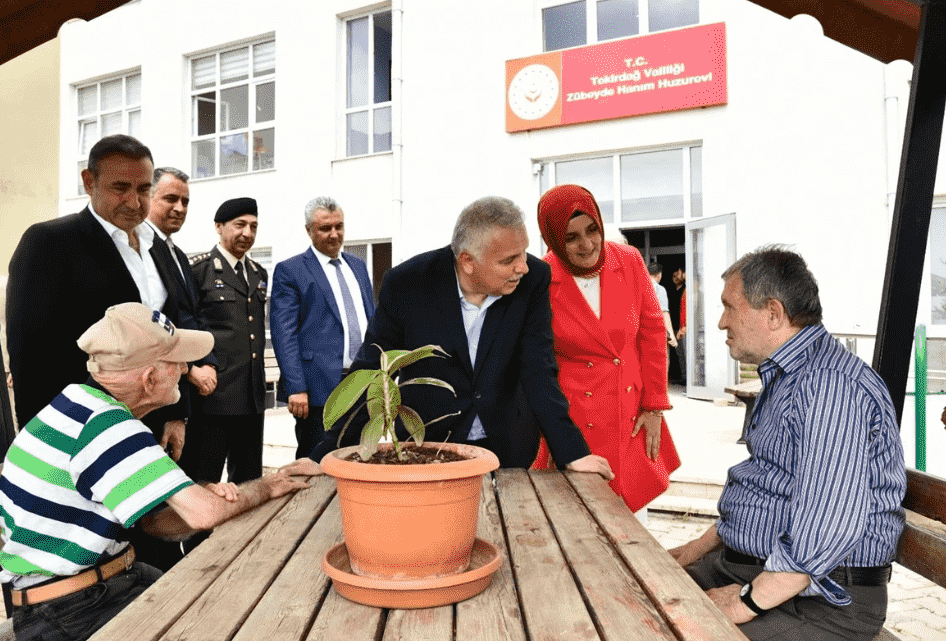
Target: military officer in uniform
column 231, row 304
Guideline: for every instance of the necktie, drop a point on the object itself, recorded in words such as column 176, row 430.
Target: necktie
column 239, row 273
column 174, row 258
column 354, row 331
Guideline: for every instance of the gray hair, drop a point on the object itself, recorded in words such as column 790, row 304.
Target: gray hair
column 481, row 216
column 316, row 204
column 774, row 272
column 172, row 171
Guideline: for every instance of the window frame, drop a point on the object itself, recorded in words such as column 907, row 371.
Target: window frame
column 126, row 109
column 252, row 82
column 547, row 169
column 371, row 107
column 591, row 21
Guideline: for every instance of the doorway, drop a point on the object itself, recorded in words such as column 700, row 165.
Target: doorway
column 665, row 246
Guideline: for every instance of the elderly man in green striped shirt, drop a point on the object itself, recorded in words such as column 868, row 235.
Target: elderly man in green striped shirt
column 85, row 470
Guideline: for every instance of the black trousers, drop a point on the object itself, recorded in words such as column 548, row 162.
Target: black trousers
column 799, row 618
column 309, row 431
column 236, row 440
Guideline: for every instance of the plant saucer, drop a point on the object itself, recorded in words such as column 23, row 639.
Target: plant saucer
column 413, row 593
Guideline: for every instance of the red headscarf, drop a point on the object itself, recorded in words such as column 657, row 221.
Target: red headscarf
column 558, row 206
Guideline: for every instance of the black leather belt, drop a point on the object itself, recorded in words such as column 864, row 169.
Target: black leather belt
column 842, row 575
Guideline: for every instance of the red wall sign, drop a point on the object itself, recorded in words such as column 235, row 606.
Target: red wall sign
column 666, row 71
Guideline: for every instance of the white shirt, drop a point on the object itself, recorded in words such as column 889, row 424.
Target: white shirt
column 590, row 288
column 473, row 318
column 331, row 273
column 141, row 266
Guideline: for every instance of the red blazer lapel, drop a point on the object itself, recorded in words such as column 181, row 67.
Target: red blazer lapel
column 568, row 299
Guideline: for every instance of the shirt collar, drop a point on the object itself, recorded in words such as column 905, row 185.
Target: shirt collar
column 145, row 232
column 231, row 259
column 794, row 353
column 323, row 259
column 463, row 301
column 157, row 232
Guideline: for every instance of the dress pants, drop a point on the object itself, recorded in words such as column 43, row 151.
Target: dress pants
column 309, row 431
column 799, row 618
column 236, row 440
column 76, row 617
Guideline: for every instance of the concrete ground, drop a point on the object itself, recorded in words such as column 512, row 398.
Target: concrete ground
column 705, row 434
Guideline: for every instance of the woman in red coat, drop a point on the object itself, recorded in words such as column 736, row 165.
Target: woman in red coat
column 610, row 344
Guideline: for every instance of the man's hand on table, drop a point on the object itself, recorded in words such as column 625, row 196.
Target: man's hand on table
column 204, row 378
column 594, row 464
column 280, row 483
column 174, row 436
column 225, row 490
column 299, row 404
column 303, row 467
column 727, row 600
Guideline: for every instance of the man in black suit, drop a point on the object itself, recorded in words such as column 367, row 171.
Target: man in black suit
column 66, row 272
column 486, row 303
column 169, row 201
column 231, row 304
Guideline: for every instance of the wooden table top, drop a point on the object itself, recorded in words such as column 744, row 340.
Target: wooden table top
column 576, row 565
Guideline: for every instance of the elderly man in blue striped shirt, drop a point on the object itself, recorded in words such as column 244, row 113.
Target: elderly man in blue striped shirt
column 808, row 524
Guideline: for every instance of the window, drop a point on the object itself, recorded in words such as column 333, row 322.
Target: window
column 587, row 21
column 111, row 106
column 377, row 256
column 368, row 84
column 938, row 266
column 640, row 186
column 233, row 110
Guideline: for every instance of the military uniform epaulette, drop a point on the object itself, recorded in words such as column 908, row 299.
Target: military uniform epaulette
column 193, row 260
column 256, row 266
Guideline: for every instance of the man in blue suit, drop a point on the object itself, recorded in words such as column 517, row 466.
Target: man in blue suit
column 320, row 307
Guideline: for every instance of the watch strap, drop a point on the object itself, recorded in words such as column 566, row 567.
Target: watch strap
column 746, row 595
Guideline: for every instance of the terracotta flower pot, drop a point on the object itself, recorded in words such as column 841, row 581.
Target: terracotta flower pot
column 406, row 522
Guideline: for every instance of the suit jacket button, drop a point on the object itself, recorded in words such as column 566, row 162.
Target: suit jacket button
column 477, row 395
column 617, row 361
column 590, row 364
column 628, row 389
column 249, row 300
column 588, row 394
column 252, row 337
column 250, row 319
column 590, row 426
column 254, row 355
column 221, row 298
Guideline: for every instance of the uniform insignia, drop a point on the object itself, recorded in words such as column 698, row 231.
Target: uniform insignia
column 193, row 260
column 218, row 266
column 218, row 284
column 253, row 265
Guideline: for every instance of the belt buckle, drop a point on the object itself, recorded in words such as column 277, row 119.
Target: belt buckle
column 128, row 558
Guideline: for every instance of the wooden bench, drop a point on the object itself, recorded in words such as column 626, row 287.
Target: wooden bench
column 747, row 393
column 922, row 546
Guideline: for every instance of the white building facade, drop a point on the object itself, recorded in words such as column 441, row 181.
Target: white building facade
column 398, row 111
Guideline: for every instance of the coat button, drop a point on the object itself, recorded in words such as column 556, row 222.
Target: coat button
column 588, row 394
column 629, row 390
column 254, row 355
column 590, row 426
column 617, row 361
column 590, row 364
column 249, row 300
column 252, row 337
column 221, row 298
column 477, row 395
column 250, row 319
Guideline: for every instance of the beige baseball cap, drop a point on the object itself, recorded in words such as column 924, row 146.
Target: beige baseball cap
column 131, row 335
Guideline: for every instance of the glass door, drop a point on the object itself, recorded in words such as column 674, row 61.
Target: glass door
column 710, row 249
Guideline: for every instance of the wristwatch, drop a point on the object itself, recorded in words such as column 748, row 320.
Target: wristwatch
column 746, row 595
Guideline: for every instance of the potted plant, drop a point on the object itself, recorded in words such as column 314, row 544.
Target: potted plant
column 403, row 521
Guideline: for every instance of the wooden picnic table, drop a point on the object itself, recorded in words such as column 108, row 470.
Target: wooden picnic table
column 576, row 565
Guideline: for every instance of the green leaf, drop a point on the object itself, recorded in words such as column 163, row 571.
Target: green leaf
column 384, row 397
column 413, row 423
column 370, row 437
column 425, row 380
column 402, row 360
column 347, row 423
column 346, row 395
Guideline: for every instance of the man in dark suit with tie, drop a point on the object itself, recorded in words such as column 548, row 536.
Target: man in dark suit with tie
column 321, row 304
column 66, row 272
column 231, row 304
column 169, row 201
column 486, row 303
